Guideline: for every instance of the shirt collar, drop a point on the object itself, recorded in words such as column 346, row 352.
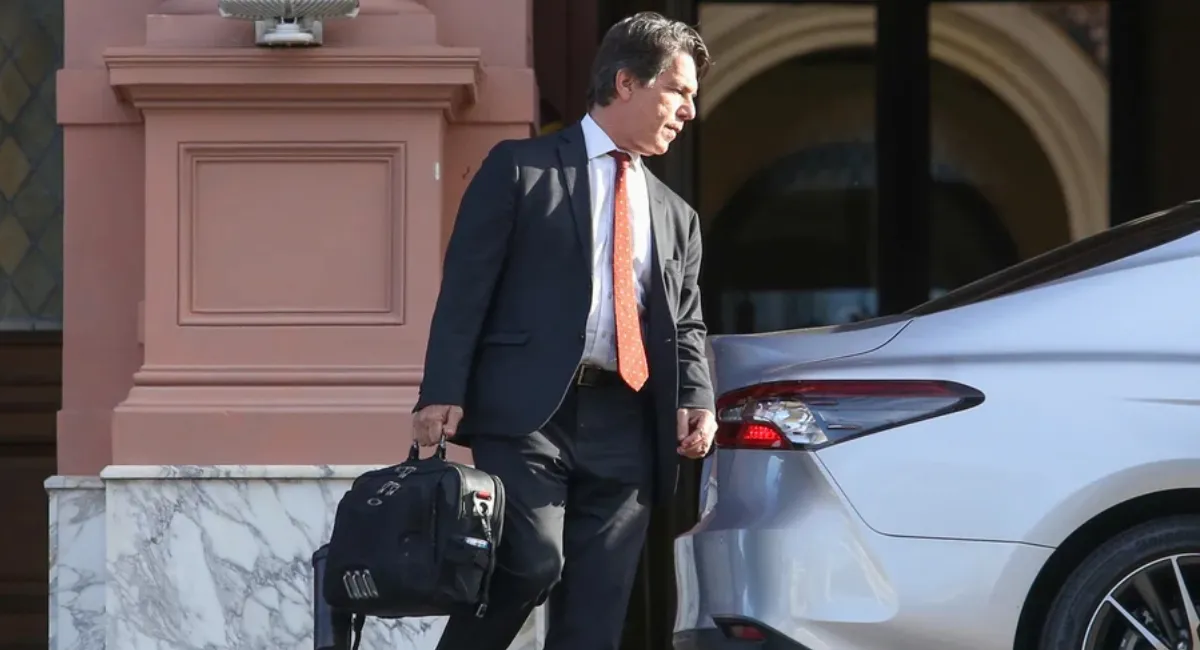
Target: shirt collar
column 599, row 144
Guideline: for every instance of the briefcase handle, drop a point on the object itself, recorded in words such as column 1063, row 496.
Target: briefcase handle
column 414, row 452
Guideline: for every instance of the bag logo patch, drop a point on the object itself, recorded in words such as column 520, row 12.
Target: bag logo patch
column 386, row 490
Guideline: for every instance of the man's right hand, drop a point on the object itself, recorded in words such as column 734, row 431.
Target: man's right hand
column 435, row 421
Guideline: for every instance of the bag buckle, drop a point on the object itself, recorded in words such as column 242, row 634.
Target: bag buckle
column 483, row 503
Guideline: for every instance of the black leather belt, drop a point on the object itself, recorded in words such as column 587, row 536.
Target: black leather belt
column 597, row 377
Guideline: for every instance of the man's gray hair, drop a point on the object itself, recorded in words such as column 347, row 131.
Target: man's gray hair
column 645, row 44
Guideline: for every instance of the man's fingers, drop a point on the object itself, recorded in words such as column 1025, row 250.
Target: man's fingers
column 453, row 417
column 419, row 428
column 692, row 446
column 435, row 421
column 432, row 422
column 682, row 428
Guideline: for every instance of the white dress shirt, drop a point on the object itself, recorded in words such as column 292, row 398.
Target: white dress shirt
column 600, row 341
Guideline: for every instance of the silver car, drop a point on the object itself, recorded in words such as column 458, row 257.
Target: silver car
column 1015, row 464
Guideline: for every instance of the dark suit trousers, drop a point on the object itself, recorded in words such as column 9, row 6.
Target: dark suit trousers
column 578, row 507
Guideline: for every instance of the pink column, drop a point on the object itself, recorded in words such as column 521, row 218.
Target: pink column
column 102, row 235
column 295, row 207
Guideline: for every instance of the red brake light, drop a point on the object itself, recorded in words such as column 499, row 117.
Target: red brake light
column 786, row 415
column 737, row 629
column 745, row 633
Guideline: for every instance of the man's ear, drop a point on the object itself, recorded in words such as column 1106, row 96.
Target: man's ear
column 626, row 82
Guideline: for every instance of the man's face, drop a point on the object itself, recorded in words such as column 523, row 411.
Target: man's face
column 657, row 111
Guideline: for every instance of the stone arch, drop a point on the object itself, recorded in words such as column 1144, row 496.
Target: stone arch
column 1017, row 54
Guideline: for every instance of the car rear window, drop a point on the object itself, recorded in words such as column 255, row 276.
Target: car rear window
column 1113, row 244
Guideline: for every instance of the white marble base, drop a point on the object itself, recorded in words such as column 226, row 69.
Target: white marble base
column 76, row 562
column 216, row 557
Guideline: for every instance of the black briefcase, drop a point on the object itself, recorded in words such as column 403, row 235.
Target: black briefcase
column 414, row 539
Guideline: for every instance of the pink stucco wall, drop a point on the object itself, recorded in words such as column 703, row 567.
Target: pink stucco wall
column 253, row 238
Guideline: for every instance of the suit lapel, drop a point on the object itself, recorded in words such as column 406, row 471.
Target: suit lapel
column 572, row 155
column 658, row 215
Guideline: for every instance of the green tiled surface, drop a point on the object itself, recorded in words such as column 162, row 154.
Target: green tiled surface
column 31, row 163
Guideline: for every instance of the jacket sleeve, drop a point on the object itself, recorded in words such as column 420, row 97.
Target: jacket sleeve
column 474, row 260
column 695, row 385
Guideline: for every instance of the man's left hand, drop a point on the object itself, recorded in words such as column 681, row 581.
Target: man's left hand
column 695, row 428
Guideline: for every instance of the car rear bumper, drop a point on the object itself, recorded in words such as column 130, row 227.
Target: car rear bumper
column 791, row 555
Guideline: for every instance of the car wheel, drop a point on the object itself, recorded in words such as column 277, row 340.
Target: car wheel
column 1138, row 591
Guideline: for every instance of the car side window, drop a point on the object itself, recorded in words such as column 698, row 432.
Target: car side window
column 1113, row 244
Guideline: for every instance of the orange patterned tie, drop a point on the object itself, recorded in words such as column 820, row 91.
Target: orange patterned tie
column 631, row 353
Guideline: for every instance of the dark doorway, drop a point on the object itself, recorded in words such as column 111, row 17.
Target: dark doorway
column 795, row 246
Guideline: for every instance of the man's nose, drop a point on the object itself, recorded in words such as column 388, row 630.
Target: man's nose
column 687, row 112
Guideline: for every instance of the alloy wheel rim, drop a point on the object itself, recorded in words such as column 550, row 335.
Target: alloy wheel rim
column 1154, row 607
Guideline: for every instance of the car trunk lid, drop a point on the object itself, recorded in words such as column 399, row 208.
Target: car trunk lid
column 739, row 360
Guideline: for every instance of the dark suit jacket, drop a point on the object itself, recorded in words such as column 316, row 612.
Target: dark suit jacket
column 508, row 330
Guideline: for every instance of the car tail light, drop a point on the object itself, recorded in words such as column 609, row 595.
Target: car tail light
column 808, row 414
column 741, row 632
column 739, row 629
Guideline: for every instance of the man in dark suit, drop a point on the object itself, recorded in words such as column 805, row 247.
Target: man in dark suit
column 567, row 348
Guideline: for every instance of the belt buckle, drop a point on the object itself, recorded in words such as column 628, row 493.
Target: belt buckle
column 586, row 376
